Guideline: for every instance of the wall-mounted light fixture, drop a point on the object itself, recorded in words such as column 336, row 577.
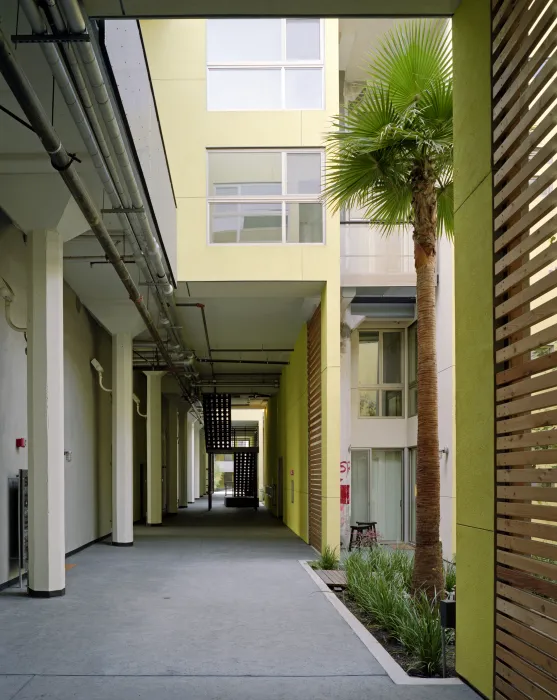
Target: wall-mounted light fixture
column 97, row 365
column 137, row 401
column 444, row 451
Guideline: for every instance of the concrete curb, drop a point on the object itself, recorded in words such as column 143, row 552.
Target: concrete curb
column 395, row 672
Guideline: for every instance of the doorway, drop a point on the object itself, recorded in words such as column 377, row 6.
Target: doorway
column 377, row 490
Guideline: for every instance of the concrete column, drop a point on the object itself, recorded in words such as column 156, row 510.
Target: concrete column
column 196, row 460
column 190, row 484
column 203, row 462
column 45, row 415
column 172, row 468
column 122, row 440
column 182, row 458
column 154, row 448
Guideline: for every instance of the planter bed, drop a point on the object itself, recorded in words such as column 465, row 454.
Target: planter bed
column 392, row 646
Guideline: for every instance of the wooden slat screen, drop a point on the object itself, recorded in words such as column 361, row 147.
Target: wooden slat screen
column 314, row 430
column 525, row 298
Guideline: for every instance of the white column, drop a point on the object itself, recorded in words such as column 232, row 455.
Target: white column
column 45, row 415
column 172, row 469
column 196, row 460
column 182, row 459
column 122, row 440
column 191, row 458
column 154, row 448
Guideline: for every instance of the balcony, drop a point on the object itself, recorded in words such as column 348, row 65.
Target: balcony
column 369, row 258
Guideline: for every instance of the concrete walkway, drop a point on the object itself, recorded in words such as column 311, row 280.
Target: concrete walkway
column 209, row 606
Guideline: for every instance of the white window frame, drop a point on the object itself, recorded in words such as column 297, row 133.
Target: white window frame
column 267, row 198
column 381, row 386
column 283, row 64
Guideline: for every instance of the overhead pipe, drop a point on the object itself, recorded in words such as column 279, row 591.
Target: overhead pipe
column 85, row 118
column 76, row 24
column 90, row 130
column 62, row 162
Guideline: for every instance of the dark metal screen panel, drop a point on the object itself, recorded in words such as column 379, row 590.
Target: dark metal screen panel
column 217, row 417
column 315, row 467
column 525, row 284
column 245, row 475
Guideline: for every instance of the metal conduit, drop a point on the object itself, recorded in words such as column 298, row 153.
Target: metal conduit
column 63, row 163
column 85, row 117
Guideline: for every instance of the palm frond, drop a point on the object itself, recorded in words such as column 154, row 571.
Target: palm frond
column 402, row 119
column 413, row 55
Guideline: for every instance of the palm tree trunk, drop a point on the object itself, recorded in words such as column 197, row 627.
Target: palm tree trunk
column 428, row 562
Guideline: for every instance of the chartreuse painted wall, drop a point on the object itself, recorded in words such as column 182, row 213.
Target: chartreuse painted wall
column 176, row 54
column 286, row 430
column 474, row 344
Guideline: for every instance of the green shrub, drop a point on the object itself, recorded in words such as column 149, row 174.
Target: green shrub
column 379, row 580
column 450, row 576
column 328, row 560
column 418, row 628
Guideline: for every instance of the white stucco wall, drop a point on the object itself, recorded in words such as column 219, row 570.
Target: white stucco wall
column 87, row 410
column 402, row 432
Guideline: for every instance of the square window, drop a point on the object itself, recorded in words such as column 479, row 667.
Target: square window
column 391, row 403
column 303, row 39
column 244, row 89
column 304, row 222
column 303, row 173
column 368, row 365
column 242, row 40
column 368, row 404
column 304, row 88
column 392, row 358
column 248, row 173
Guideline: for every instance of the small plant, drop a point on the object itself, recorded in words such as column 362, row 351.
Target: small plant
column 328, row 560
column 380, row 581
column 450, row 576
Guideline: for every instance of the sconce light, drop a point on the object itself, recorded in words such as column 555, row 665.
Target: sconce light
column 97, row 365
column 444, row 451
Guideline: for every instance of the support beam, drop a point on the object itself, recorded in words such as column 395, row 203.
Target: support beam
column 45, row 415
column 154, row 448
column 182, row 458
column 172, row 469
column 122, row 440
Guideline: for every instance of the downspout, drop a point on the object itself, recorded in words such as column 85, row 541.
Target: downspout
column 63, row 163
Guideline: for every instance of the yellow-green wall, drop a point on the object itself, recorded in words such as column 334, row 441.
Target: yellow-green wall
column 176, row 53
column 474, row 344
column 292, row 415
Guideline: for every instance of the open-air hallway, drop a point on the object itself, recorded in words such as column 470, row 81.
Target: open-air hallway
column 211, row 605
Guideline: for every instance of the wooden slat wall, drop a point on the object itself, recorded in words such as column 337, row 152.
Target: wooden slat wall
column 314, row 430
column 525, row 296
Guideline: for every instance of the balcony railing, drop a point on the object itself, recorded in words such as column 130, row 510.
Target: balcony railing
column 370, row 258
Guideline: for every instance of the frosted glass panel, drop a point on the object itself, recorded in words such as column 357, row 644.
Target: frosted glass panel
column 304, row 222
column 304, row 88
column 238, row 40
column 359, row 509
column 257, row 222
column 244, row 174
column 303, row 173
column 303, row 40
column 386, row 493
column 368, row 362
column 243, row 89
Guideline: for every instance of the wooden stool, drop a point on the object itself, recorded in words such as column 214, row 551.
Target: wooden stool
column 356, row 532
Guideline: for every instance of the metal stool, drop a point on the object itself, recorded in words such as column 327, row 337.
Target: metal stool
column 356, row 532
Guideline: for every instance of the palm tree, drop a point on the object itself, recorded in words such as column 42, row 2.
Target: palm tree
column 391, row 153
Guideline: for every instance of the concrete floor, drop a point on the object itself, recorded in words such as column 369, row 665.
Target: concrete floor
column 210, row 606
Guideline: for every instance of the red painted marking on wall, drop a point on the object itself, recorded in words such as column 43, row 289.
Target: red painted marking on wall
column 345, row 494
